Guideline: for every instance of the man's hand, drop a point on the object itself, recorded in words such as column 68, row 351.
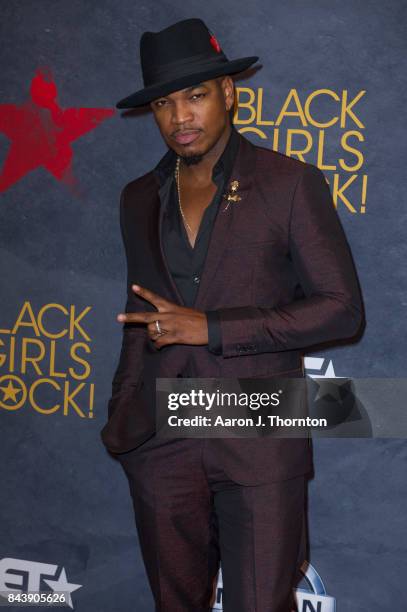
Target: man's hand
column 181, row 325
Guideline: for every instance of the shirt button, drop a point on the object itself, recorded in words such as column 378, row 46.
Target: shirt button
column 196, row 279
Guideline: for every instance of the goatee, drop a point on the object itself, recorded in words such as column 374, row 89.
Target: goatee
column 191, row 160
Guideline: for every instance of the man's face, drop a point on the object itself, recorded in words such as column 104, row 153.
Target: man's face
column 192, row 120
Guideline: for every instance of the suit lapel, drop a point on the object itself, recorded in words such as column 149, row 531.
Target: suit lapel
column 164, row 194
column 226, row 218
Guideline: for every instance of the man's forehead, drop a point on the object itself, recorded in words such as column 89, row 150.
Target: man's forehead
column 188, row 89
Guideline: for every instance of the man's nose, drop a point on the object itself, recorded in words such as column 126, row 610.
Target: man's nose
column 181, row 113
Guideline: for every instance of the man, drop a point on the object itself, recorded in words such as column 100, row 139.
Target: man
column 237, row 263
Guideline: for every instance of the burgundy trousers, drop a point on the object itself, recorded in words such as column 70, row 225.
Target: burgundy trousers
column 190, row 517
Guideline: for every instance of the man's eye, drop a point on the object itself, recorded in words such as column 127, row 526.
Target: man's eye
column 198, row 95
column 160, row 103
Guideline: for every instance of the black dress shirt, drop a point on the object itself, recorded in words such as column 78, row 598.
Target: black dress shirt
column 186, row 262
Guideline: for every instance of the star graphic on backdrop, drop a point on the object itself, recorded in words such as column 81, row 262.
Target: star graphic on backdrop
column 10, row 392
column 63, row 586
column 41, row 133
column 328, row 388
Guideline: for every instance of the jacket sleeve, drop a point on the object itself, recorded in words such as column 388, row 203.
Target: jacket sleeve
column 332, row 306
column 214, row 332
column 127, row 376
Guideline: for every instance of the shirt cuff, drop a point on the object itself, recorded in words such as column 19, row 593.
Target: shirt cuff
column 214, row 332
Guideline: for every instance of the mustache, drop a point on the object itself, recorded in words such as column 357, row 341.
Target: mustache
column 186, row 131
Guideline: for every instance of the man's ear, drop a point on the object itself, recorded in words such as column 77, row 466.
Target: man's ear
column 228, row 89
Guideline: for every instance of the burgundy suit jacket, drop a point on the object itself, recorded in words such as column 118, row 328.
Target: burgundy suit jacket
column 279, row 271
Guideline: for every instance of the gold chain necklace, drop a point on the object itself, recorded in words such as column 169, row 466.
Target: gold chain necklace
column 179, row 193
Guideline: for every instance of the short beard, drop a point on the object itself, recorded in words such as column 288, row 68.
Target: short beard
column 191, row 160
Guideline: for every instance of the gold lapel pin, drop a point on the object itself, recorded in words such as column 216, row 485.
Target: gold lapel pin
column 232, row 196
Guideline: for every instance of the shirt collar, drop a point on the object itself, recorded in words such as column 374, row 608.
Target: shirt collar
column 224, row 165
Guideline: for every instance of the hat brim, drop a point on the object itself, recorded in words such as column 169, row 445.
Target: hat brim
column 148, row 94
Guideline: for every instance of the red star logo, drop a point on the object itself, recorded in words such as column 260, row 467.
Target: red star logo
column 41, row 133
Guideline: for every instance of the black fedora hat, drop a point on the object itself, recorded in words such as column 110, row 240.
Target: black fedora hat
column 184, row 54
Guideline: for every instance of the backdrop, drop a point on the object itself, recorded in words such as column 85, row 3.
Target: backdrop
column 331, row 91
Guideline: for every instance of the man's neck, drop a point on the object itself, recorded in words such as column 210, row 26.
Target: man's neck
column 202, row 171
